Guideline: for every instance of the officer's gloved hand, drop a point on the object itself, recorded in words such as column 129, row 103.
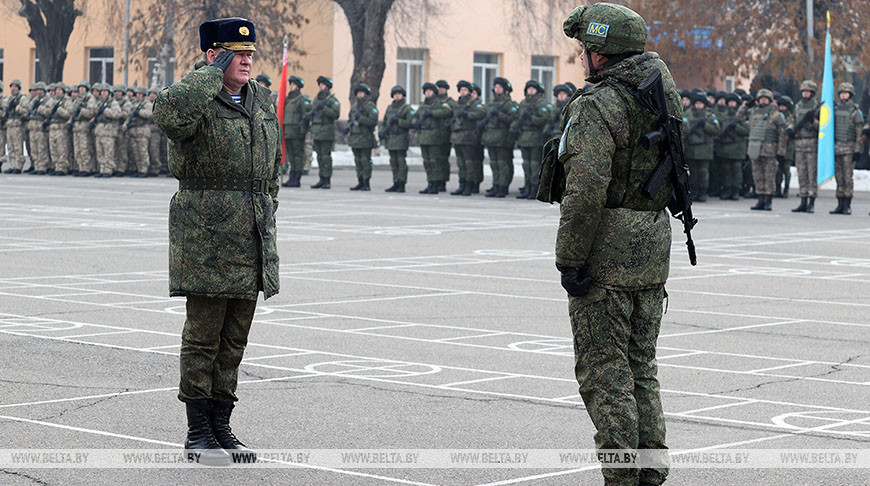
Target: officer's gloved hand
column 223, row 60
column 780, row 159
column 575, row 284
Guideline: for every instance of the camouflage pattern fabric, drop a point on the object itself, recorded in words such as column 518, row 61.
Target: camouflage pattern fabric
column 805, row 161
column 221, row 243
column 58, row 144
column 154, row 149
column 38, row 145
column 398, row 138
column 399, row 165
column 430, row 162
column 323, row 122
column 296, row 153
column 362, row 159
column 106, row 136
column 764, row 174
column 309, row 150
column 15, row 133
column 844, row 168
column 324, row 157
column 295, row 107
column 212, row 345
column 365, row 114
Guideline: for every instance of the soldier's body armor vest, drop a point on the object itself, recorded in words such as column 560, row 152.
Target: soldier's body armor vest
column 802, row 108
column 762, row 128
column 844, row 131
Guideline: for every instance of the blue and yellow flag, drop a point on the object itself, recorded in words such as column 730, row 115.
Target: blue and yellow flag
column 826, row 116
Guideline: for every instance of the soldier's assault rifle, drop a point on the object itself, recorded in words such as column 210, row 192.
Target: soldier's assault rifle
column 449, row 122
column 807, row 118
column 424, row 115
column 47, row 121
column 354, row 121
column 481, row 125
column 673, row 167
column 9, row 110
column 75, row 117
column 696, row 126
column 93, row 123
column 525, row 118
column 132, row 118
column 32, row 110
column 306, row 118
column 384, row 133
column 727, row 130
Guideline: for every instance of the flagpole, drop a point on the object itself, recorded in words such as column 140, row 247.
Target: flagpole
column 282, row 97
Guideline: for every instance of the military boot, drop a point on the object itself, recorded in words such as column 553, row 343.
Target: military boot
column 778, row 191
column 400, row 187
column 289, row 181
column 735, row 194
column 759, row 205
column 359, row 184
column 441, row 186
column 491, row 190
column 319, row 184
column 785, row 190
column 201, row 444
column 469, row 187
column 29, row 170
column 724, row 195
column 460, row 189
column 811, row 205
column 524, row 191
column 219, row 418
column 768, row 202
column 847, row 205
column 432, row 188
column 392, row 188
column 502, row 191
column 802, row 208
column 475, row 188
column 366, row 186
column 495, row 191
column 533, row 192
column 839, row 209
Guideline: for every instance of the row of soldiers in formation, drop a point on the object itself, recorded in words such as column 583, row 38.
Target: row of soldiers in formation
column 466, row 124
column 722, row 131
column 83, row 130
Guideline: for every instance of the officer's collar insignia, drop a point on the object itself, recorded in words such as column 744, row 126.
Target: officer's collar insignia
column 597, row 29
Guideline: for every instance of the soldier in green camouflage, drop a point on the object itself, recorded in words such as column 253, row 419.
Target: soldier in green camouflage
column 444, row 154
column 700, row 128
column 429, row 123
column 783, row 170
column 528, row 130
column 4, row 100
column 226, row 153
column 479, row 152
column 467, row 111
column 361, row 134
column 767, row 144
column 83, row 142
column 848, row 123
column 295, row 107
column 324, row 111
column 59, row 109
column 138, row 129
column 806, row 137
column 562, row 93
column 394, row 135
column 731, row 148
column 613, row 244
column 502, row 111
column 714, row 188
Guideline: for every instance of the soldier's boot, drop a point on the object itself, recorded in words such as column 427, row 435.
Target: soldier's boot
column 491, row 190
column 442, row 186
column 219, row 418
column 9, row 171
column 716, row 191
column 502, row 191
column 759, row 205
column 38, row 172
column 366, row 186
column 768, row 202
column 811, row 205
column 326, row 183
column 524, row 191
column 289, row 181
column 50, row 171
column 475, row 188
column 847, row 205
column 392, row 188
column 701, row 197
column 839, row 209
column 359, row 184
column 467, row 190
column 16, row 171
column 297, row 182
column 785, row 190
column 459, row 190
column 735, row 194
column 29, row 170
column 533, row 192
column 400, row 187
column 319, row 184
column 778, row 191
column 495, row 191
column 802, row 208
column 201, row 443
column 724, row 195
column 431, row 188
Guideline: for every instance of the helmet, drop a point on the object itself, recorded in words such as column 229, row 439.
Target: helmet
column 846, row 88
column 297, row 81
column 51, row 87
column 429, row 86
column 442, row 84
column 153, row 90
column 38, row 85
column 561, row 88
column 686, row 94
column 476, row 89
column 810, row 85
column 710, row 92
column 764, row 93
column 571, row 86
column 786, row 100
column 362, row 87
column 700, row 97
column 141, row 90
column 463, row 84
column 720, row 95
column 398, row 89
column 533, row 84
column 15, row 82
column 607, row 29
column 739, row 92
column 325, row 80
column 83, row 83
column 504, row 84
column 119, row 88
column 262, row 78
column 732, row 97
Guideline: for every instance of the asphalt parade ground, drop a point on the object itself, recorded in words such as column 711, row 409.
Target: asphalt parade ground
column 410, row 322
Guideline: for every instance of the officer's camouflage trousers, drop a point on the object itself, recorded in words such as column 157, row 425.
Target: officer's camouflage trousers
column 296, row 154
column 154, row 149
column 39, row 154
column 764, row 174
column 362, row 159
column 324, row 157
column 106, row 161
column 532, row 164
column 470, row 169
column 83, row 143
column 615, row 333
column 139, row 139
column 399, row 165
column 58, row 144
column 844, row 167
column 501, row 161
column 212, row 344
column 431, row 163
column 806, row 170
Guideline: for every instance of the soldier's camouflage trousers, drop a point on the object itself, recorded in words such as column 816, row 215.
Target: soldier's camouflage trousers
column 83, row 144
column 444, row 161
column 764, row 175
column 154, row 150
column 431, row 163
column 15, row 145
column 212, row 344
column 295, row 153
column 470, row 169
column 58, row 144
column 324, row 157
column 139, row 139
column 106, row 145
column 783, row 173
column 615, row 333
column 501, row 161
column 731, row 172
column 39, row 154
column 715, row 178
column 309, row 150
column 699, row 175
column 122, row 143
column 479, row 156
column 3, row 146
column 399, row 165
column 532, row 164
column 362, row 159
column 806, row 170
column 844, row 167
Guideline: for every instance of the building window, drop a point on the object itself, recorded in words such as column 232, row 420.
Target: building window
column 150, row 76
column 101, row 65
column 729, row 84
column 544, row 72
column 485, row 71
column 35, row 65
column 410, row 72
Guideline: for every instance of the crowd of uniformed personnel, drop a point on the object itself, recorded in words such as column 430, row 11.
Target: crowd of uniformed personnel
column 742, row 144
column 82, row 130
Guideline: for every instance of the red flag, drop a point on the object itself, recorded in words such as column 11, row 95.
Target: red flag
column 282, row 95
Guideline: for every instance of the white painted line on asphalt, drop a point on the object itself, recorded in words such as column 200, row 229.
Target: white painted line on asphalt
column 791, row 365
column 717, row 407
column 480, row 380
column 730, row 329
column 76, row 336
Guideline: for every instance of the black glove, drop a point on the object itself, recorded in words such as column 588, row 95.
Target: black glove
column 223, row 60
column 780, row 158
column 856, row 157
column 866, row 132
column 789, row 132
column 573, row 283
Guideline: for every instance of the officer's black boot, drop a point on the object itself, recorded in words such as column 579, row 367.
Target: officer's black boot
column 811, row 205
column 201, row 445
column 29, row 170
column 502, row 191
column 219, row 418
column 392, row 188
column 724, row 195
column 475, row 189
column 778, row 191
column 802, row 208
column 326, row 183
column 847, row 205
column 759, row 205
column 295, row 178
column 289, row 181
column 366, row 186
column 768, row 202
column 400, row 187
column 459, row 190
column 359, row 184
column 839, row 209
column 319, row 184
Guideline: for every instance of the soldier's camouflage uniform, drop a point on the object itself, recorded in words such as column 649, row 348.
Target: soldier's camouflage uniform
column 323, row 129
column 295, row 107
column 122, row 139
column 848, row 122
column 15, row 133
column 58, row 136
column 397, row 139
column 806, row 147
column 139, row 133
column 783, row 170
column 4, row 100
column 83, row 140
column 767, row 141
column 106, row 135
column 38, row 150
column 700, row 128
column 496, row 137
column 532, row 137
column 222, row 243
column 731, row 152
column 361, row 137
column 467, row 113
column 430, row 115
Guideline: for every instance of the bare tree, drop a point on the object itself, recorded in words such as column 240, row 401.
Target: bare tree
column 51, row 23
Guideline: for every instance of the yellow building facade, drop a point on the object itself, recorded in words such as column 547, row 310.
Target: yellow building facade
column 465, row 39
